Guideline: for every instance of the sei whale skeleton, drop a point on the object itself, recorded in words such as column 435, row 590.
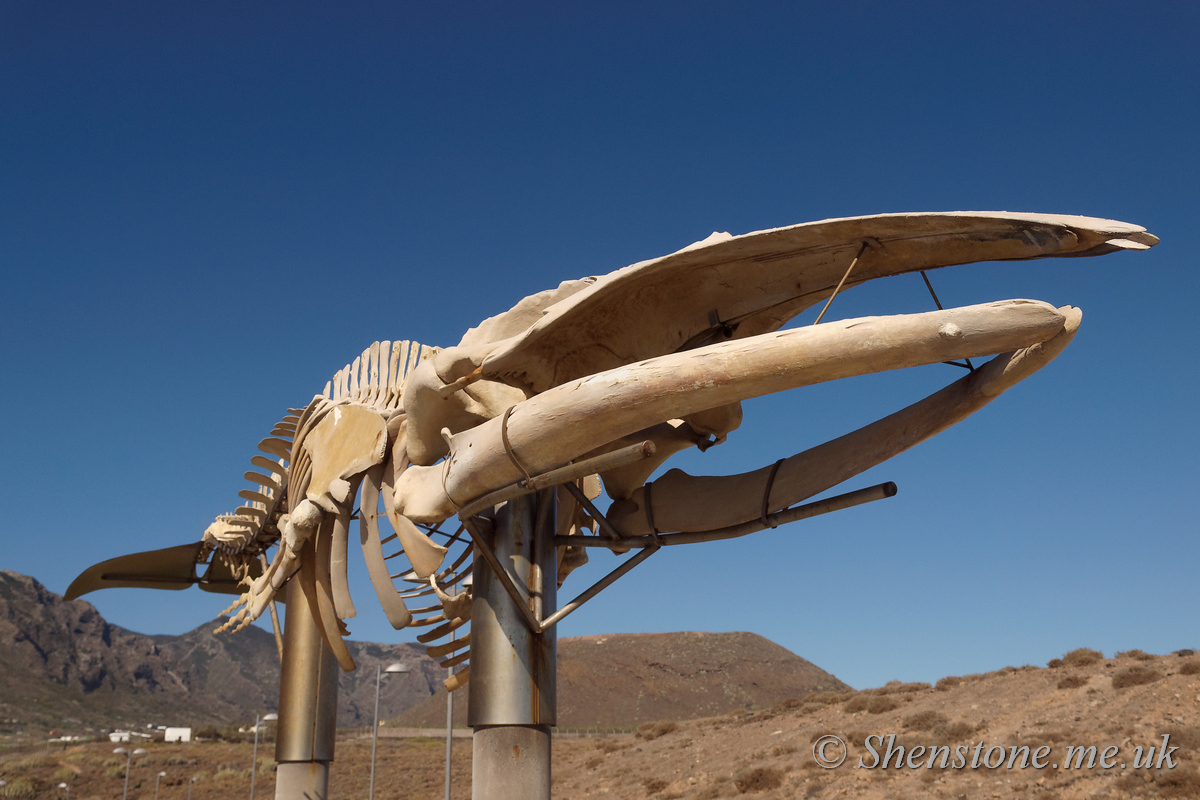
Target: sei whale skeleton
column 607, row 378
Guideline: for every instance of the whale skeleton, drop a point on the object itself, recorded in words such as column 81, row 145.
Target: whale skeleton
column 608, row 377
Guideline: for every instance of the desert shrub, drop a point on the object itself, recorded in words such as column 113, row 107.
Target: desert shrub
column 1072, row 682
column 653, row 730
column 1134, row 676
column 230, row 733
column 713, row 791
column 897, row 687
column 1179, row 782
column 1135, row 654
column 63, row 775
column 210, row 734
column 947, row 683
column 117, row 771
column 829, row 698
column 654, row 785
column 1050, row 737
column 609, row 745
column 1185, row 737
column 879, row 705
column 758, row 779
column 952, row 732
column 31, row 762
column 1055, row 663
column 1082, row 657
column 926, row 720
column 1190, row 667
column 593, row 762
column 857, row 703
column 18, row 787
column 224, row 774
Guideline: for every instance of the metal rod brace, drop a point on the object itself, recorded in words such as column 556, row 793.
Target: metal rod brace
column 841, row 501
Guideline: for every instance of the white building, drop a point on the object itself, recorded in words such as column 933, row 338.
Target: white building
column 119, row 736
column 178, row 734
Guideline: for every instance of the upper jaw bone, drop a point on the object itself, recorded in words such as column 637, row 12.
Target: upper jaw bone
column 552, row 428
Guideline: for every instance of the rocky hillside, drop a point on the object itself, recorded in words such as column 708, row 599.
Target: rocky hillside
column 63, row 666
column 622, row 680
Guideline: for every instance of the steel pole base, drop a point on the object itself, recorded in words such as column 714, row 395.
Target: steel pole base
column 511, row 762
column 303, row 780
column 511, row 700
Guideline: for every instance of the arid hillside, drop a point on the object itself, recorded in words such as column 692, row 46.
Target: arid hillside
column 1029, row 714
column 624, row 680
column 1083, row 700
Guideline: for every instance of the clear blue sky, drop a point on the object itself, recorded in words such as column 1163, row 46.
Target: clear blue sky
column 208, row 208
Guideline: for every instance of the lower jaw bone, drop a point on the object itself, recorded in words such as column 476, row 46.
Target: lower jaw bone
column 552, row 428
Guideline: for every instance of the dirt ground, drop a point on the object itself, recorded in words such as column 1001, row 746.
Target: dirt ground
column 1084, row 700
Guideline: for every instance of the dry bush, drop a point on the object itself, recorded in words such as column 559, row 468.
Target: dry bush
column 874, row 704
column 1055, row 663
column 1072, row 682
column 654, row 785
column 1051, row 737
column 1190, row 667
column 952, row 732
column 609, row 745
column 1137, row 654
column 1083, row 657
column 653, row 730
column 880, row 705
column 1186, row 737
column 947, row 683
column 714, row 790
column 758, row 779
column 63, row 775
column 1179, row 782
column 829, row 698
column 19, row 787
column 593, row 762
column 897, row 687
column 1134, row 676
column 926, row 720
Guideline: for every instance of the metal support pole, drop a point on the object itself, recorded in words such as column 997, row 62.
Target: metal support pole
column 449, row 737
column 375, row 732
column 253, row 762
column 511, row 701
column 307, row 704
column 449, row 722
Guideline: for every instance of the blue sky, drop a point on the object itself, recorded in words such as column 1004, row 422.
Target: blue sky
column 206, row 209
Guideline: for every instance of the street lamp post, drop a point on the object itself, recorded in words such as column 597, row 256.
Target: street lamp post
column 391, row 669
column 128, row 762
column 193, row 780
column 66, row 786
column 467, row 583
column 158, row 778
column 254, row 766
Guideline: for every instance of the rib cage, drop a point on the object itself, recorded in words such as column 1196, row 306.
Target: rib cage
column 281, row 480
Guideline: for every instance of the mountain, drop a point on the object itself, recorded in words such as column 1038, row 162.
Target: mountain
column 619, row 680
column 62, row 666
